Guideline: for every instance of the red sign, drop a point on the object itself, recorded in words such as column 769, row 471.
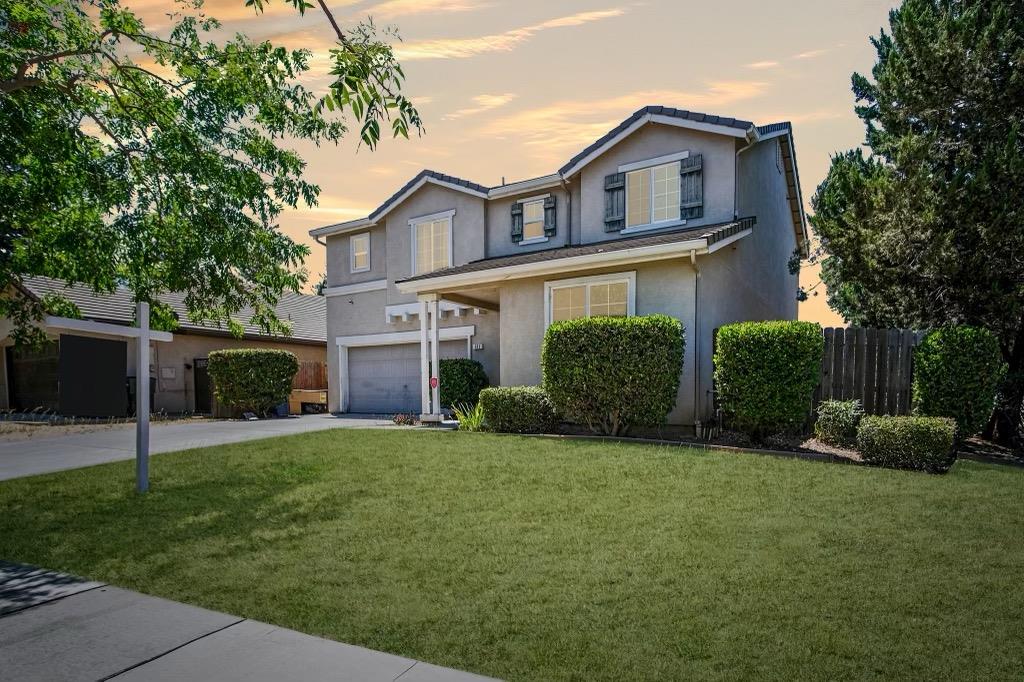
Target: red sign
column 433, row 382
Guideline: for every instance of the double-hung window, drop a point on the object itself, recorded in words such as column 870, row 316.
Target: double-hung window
column 359, row 252
column 603, row 295
column 533, row 219
column 652, row 195
column 431, row 242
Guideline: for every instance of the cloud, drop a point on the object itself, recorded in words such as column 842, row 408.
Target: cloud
column 767, row 64
column 809, row 54
column 461, row 48
column 395, row 8
column 483, row 103
column 568, row 124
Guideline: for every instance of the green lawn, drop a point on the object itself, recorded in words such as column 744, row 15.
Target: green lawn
column 543, row 559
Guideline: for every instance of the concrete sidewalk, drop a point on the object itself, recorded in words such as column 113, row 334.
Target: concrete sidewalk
column 43, row 454
column 58, row 627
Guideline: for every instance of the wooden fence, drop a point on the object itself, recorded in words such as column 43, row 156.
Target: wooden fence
column 312, row 375
column 874, row 366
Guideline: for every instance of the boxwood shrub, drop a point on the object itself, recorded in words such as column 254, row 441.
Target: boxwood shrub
column 838, row 421
column 518, row 409
column 957, row 371
column 252, row 379
column 766, row 373
column 612, row 373
column 921, row 443
column 461, row 381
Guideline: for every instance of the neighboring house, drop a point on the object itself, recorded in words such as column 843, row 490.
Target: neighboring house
column 79, row 356
column 691, row 215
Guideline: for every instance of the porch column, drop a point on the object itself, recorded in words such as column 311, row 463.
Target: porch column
column 435, row 346
column 424, row 361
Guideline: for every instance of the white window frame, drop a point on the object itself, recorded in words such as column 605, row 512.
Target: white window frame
column 352, row 253
column 612, row 278
column 529, row 200
column 441, row 215
column 650, row 164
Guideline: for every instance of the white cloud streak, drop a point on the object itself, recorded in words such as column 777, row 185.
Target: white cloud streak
column 482, row 103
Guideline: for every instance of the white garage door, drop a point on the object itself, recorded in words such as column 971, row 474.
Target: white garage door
column 386, row 379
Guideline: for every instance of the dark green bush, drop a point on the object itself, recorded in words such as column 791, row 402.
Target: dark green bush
column 518, row 409
column 957, row 371
column 766, row 373
column 612, row 373
column 252, row 379
column 837, row 422
column 921, row 443
column 461, row 381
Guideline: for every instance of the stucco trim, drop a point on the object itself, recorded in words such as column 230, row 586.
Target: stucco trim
column 358, row 288
column 729, row 240
column 656, row 161
column 543, row 182
column 88, row 326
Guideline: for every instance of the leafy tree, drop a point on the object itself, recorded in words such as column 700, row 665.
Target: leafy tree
column 160, row 160
column 927, row 229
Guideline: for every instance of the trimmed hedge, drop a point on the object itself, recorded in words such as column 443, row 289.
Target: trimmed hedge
column 837, row 422
column 766, row 373
column 252, row 379
column 957, row 371
column 518, row 409
column 461, row 381
column 920, row 443
column 612, row 373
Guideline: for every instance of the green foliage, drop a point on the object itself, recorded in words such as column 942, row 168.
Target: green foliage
column 837, row 422
column 921, row 443
column 957, row 371
column 159, row 159
column 612, row 373
column 461, row 381
column 518, row 409
column 766, row 373
column 923, row 231
column 470, row 417
column 252, row 379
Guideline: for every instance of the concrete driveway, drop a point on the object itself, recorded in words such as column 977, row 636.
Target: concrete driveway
column 43, row 454
column 57, row 627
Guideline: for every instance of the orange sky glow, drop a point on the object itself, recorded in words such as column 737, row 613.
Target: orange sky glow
column 513, row 88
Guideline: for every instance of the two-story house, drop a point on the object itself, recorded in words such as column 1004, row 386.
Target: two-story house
column 675, row 212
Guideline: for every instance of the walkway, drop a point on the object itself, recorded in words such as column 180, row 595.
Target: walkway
column 58, row 627
column 43, row 454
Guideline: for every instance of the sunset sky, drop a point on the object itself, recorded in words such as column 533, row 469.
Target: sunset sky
column 514, row 88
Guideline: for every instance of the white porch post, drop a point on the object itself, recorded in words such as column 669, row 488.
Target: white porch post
column 424, row 361
column 435, row 346
column 142, row 400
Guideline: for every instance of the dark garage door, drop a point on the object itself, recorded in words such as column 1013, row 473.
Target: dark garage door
column 93, row 377
column 386, row 379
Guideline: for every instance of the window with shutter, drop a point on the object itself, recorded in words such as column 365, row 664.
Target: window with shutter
column 614, row 202
column 550, row 217
column 517, row 222
column 691, row 188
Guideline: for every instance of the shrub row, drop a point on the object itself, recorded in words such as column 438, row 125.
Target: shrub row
column 252, row 379
column 920, row 443
column 838, row 421
column 517, row 409
column 766, row 373
column 461, row 381
column 612, row 373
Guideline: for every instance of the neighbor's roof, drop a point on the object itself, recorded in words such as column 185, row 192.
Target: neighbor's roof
column 710, row 233
column 307, row 314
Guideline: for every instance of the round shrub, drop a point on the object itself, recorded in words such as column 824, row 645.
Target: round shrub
column 837, row 422
column 957, row 371
column 612, row 373
column 252, row 379
column 461, row 381
column 921, row 443
column 517, row 409
column 766, row 373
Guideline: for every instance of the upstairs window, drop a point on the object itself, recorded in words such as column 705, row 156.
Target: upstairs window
column 431, row 243
column 533, row 219
column 359, row 252
column 652, row 195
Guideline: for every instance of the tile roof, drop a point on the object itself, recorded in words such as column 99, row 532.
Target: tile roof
column 660, row 111
column 307, row 314
column 712, row 233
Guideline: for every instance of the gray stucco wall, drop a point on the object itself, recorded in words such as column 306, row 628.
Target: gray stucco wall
column 499, row 224
column 652, row 141
column 338, row 258
column 665, row 287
